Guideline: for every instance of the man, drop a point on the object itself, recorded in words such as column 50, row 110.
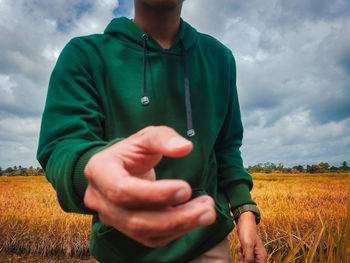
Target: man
column 155, row 196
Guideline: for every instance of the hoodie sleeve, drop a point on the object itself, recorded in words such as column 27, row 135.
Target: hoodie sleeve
column 71, row 128
column 232, row 175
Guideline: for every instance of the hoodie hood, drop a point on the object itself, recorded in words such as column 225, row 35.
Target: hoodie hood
column 131, row 34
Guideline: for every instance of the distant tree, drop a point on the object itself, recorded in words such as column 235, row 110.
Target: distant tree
column 286, row 170
column 280, row 167
column 299, row 168
column 333, row 169
column 322, row 167
column 23, row 172
column 273, row 166
column 325, row 166
column 345, row 166
column 258, row 168
column 267, row 170
column 318, row 168
column 41, row 172
column 311, row 168
column 9, row 170
column 269, row 167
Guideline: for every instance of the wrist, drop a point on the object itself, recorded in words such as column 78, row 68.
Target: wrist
column 246, row 216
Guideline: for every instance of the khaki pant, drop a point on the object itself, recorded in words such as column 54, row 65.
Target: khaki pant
column 221, row 253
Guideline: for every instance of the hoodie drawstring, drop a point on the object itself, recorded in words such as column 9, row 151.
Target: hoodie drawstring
column 190, row 130
column 145, row 99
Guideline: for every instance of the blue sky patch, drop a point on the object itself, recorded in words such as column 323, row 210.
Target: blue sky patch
column 82, row 8
column 124, row 8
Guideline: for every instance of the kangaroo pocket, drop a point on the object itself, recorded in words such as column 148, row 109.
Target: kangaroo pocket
column 110, row 245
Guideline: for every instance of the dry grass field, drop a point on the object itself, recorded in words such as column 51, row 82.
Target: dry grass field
column 304, row 219
column 305, row 216
column 33, row 224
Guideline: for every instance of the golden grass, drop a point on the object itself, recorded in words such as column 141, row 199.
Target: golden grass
column 32, row 223
column 304, row 219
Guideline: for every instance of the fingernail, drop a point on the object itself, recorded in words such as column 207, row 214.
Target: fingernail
column 177, row 142
column 180, row 195
column 206, row 218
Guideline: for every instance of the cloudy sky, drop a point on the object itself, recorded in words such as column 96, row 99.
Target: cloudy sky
column 293, row 60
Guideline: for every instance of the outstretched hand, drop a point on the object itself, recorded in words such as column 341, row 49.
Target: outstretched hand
column 123, row 189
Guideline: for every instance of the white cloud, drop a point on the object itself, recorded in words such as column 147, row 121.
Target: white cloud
column 293, row 79
column 19, row 138
column 33, row 34
column 6, row 88
column 296, row 139
column 293, row 62
column 96, row 19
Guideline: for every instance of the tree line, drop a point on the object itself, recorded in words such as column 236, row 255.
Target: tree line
column 21, row 171
column 322, row 167
column 267, row 167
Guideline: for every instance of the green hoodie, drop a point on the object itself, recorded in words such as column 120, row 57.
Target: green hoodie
column 94, row 100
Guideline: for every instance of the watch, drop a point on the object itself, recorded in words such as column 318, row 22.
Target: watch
column 237, row 211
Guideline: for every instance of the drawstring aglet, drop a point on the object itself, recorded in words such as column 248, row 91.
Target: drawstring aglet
column 191, row 133
column 144, row 100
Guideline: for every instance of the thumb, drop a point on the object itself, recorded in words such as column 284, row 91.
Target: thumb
column 248, row 254
column 240, row 254
column 163, row 140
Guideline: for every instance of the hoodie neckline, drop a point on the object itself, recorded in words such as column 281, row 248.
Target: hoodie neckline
column 131, row 34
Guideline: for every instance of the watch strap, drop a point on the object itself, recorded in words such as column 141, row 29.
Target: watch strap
column 237, row 211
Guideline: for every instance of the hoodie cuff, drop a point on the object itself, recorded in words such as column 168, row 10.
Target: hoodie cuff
column 79, row 180
column 239, row 194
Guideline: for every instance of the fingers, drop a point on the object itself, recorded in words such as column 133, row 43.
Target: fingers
column 175, row 220
column 124, row 173
column 260, row 252
column 252, row 253
column 143, row 150
column 164, row 140
column 240, row 254
column 158, row 227
column 153, row 227
column 120, row 188
column 248, row 253
column 247, row 257
column 134, row 192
